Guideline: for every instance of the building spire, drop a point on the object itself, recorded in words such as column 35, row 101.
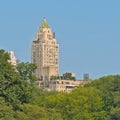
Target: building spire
column 44, row 24
column 44, row 19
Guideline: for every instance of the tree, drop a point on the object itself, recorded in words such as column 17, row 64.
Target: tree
column 68, row 76
column 6, row 113
column 26, row 71
column 110, row 89
column 114, row 114
column 13, row 90
column 80, row 104
column 34, row 112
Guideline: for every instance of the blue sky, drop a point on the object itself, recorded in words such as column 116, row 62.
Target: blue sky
column 88, row 32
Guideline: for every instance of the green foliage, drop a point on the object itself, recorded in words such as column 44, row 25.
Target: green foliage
column 72, row 105
column 4, row 56
column 18, row 115
column 13, row 90
column 34, row 112
column 6, row 113
column 110, row 88
column 89, row 104
column 20, row 100
column 67, row 76
column 25, row 71
column 114, row 114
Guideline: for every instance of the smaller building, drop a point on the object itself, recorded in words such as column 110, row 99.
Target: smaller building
column 60, row 85
column 86, row 77
column 13, row 59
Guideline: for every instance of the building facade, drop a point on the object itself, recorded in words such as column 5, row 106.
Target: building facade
column 45, row 52
column 13, row 59
column 61, row 85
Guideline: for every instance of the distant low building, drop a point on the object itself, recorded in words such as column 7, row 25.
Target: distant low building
column 63, row 85
column 60, row 85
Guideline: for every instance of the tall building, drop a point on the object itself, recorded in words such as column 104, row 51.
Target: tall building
column 45, row 52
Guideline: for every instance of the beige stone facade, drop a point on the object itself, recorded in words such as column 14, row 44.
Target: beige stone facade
column 45, row 53
column 13, row 59
column 63, row 85
column 60, row 85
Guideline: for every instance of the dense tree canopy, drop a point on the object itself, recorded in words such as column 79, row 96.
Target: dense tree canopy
column 25, row 71
column 110, row 88
column 20, row 100
column 13, row 90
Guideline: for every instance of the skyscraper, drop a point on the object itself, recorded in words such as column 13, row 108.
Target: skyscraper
column 45, row 52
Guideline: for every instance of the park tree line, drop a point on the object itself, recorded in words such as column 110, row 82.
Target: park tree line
column 21, row 100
